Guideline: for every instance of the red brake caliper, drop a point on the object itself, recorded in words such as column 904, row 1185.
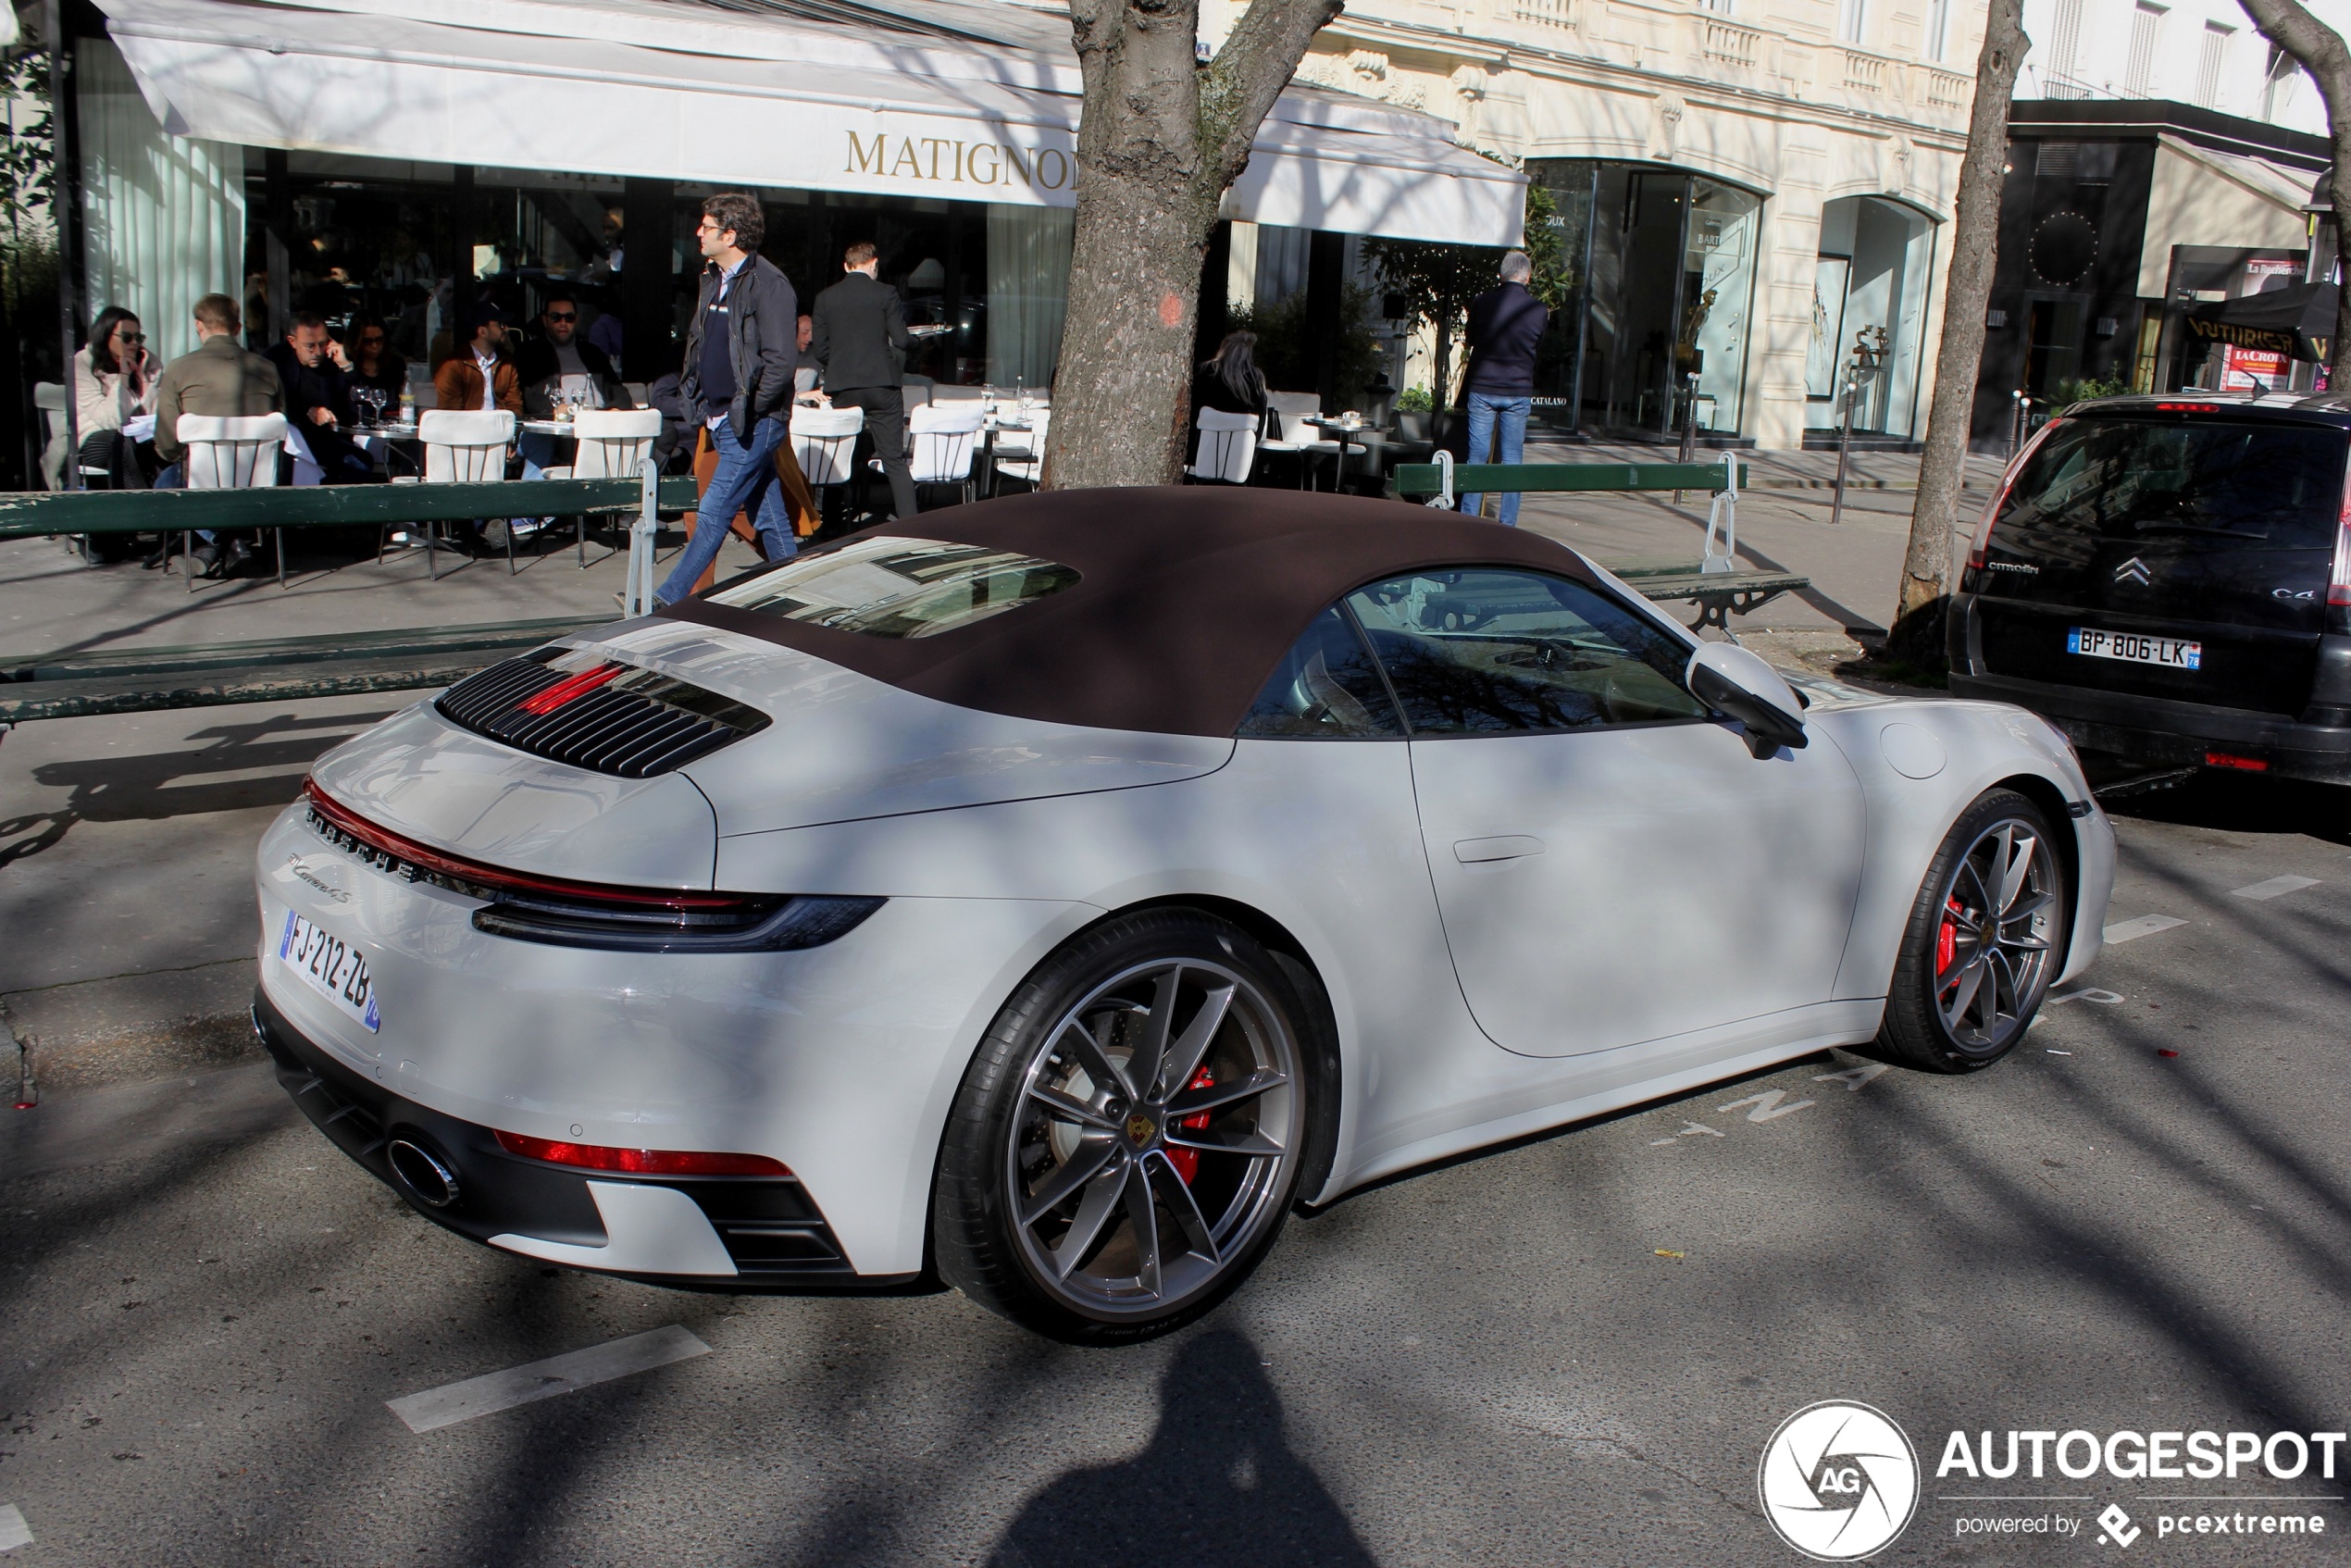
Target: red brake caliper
column 1187, row 1160
column 1947, row 939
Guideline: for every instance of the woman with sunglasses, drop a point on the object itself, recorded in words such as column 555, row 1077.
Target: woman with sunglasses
column 114, row 382
column 375, row 363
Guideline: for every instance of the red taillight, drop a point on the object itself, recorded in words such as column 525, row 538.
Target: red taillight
column 498, row 878
column 1983, row 540
column 2188, row 408
column 2339, row 580
column 640, row 1161
column 2229, row 759
column 571, row 686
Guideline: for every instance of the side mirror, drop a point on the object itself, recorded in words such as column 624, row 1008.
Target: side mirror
column 1730, row 679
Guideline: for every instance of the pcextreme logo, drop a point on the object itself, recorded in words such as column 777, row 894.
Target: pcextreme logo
column 1838, row 1481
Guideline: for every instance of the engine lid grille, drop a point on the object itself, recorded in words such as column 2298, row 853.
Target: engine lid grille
column 576, row 706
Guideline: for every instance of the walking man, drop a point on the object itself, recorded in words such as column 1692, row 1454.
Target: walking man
column 860, row 340
column 738, row 381
column 1505, row 325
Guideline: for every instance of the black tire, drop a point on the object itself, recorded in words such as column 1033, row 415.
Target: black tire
column 1138, row 1177
column 1944, row 944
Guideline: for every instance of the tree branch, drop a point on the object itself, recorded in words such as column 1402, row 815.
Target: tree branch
column 1250, row 72
column 2319, row 50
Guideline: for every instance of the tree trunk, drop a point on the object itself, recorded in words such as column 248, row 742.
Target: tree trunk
column 1160, row 138
column 1917, row 634
column 2319, row 50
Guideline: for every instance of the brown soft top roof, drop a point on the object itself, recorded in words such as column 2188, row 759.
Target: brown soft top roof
column 1186, row 598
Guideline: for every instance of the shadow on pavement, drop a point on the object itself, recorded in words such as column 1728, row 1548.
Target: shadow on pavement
column 2231, row 803
column 1218, row 1484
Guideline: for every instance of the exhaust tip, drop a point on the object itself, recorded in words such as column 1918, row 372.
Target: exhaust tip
column 425, row 1174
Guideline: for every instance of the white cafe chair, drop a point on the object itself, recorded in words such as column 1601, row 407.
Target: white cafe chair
column 946, row 436
column 1020, row 455
column 225, row 452
column 50, row 398
column 1228, row 447
column 1294, row 435
column 463, row 446
column 823, row 442
column 612, row 444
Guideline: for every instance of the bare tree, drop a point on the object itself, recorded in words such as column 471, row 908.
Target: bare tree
column 2319, row 50
column 1975, row 235
column 1162, row 137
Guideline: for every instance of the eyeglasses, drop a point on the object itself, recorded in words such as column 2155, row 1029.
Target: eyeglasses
column 131, row 337
column 563, row 315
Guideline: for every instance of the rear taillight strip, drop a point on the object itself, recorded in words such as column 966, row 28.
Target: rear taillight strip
column 492, row 879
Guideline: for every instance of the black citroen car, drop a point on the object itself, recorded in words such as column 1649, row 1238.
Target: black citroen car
column 2169, row 581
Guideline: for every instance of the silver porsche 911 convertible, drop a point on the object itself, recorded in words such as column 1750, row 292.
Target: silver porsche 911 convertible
column 1045, row 896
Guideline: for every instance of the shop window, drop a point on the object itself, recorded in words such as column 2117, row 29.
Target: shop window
column 1871, row 278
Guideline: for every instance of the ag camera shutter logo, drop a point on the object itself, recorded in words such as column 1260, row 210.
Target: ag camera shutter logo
column 1838, row 1481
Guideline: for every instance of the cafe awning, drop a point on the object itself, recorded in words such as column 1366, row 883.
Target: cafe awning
column 2297, row 321
column 976, row 100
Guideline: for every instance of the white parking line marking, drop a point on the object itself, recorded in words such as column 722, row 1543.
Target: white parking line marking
column 486, row 1395
column 1767, row 1105
column 14, row 1531
column 2145, row 925
column 1852, row 1077
column 2091, row 993
column 2275, row 886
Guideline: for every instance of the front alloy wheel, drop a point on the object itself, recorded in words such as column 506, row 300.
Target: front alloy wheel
column 1141, row 1111
column 1983, row 942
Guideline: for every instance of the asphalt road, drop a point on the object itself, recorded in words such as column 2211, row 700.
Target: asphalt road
column 1572, row 1350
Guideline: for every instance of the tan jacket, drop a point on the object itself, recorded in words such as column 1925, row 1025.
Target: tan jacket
column 218, row 380
column 457, row 384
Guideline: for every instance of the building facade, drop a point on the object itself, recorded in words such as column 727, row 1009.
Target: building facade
column 2203, row 53
column 1741, row 189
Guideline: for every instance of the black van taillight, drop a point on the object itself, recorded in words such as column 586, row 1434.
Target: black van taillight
column 1983, row 540
column 2339, row 580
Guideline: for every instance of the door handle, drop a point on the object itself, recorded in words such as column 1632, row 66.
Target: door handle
column 1511, row 846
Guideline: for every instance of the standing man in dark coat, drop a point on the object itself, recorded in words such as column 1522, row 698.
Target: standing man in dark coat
column 737, row 381
column 860, row 340
column 1505, row 325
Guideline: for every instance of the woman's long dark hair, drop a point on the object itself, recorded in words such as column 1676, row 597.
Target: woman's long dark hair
column 1234, row 363
column 102, row 338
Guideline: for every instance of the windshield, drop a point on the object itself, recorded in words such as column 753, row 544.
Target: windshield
column 899, row 587
column 2280, row 485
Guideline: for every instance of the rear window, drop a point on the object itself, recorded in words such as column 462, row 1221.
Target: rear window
column 2277, row 485
column 899, row 587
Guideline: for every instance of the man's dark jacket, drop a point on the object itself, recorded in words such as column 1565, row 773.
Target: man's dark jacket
column 1505, row 325
column 326, row 386
column 860, row 335
column 763, row 318
column 536, row 365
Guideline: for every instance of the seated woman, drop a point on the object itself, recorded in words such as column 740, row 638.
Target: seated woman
column 114, row 382
column 1230, row 383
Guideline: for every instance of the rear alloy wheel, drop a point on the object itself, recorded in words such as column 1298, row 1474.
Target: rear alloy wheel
column 1131, row 1135
column 1982, row 941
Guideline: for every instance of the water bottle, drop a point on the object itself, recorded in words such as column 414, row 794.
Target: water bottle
column 407, row 405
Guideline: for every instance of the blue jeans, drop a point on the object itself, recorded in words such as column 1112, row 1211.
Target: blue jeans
column 745, row 481
column 1486, row 412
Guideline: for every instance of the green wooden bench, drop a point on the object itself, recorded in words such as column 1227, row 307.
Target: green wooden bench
column 66, row 685
column 1714, row 582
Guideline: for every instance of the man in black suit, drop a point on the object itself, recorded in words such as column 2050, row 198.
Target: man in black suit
column 316, row 373
column 860, row 340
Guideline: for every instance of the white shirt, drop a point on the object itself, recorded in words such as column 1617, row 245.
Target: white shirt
column 489, row 367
